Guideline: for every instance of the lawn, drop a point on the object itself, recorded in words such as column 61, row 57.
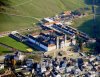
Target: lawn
column 13, row 43
column 73, row 4
column 81, row 24
column 10, row 23
column 4, row 50
column 34, row 8
column 85, row 24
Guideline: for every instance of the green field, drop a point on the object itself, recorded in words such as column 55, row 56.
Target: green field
column 85, row 24
column 33, row 8
column 4, row 50
column 13, row 43
column 24, row 13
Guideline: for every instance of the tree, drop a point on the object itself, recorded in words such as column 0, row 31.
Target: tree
column 3, row 4
column 81, row 45
column 76, row 12
column 79, row 42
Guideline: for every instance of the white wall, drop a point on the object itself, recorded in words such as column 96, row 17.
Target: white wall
column 52, row 48
column 1, row 66
column 48, row 48
column 31, row 40
column 44, row 47
column 74, row 42
column 67, row 43
column 62, row 44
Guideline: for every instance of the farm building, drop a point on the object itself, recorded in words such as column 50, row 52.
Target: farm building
column 47, row 41
column 57, row 36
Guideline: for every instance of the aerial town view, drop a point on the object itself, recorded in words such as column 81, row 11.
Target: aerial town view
column 49, row 38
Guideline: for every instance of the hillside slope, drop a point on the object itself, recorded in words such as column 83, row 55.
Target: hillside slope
column 21, row 13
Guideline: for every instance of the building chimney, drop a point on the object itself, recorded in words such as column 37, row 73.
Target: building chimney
column 65, row 37
column 57, row 43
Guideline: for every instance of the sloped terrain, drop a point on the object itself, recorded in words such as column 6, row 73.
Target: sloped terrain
column 23, row 13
